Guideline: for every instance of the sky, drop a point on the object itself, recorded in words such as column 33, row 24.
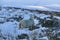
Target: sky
column 28, row 2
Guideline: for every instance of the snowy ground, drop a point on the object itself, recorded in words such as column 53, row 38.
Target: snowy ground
column 9, row 24
column 12, row 12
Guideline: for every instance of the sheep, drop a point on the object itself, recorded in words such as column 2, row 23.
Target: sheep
column 27, row 23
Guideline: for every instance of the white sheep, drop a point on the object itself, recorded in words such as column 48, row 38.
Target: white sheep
column 27, row 23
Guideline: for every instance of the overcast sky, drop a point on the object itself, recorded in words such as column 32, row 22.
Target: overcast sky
column 29, row 2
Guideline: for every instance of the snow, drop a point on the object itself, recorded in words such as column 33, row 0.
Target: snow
column 7, row 27
column 26, row 17
column 44, row 38
column 57, row 17
column 36, row 21
column 11, row 27
column 42, row 16
column 37, row 8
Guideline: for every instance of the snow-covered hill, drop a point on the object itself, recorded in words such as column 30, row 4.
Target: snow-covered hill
column 9, row 25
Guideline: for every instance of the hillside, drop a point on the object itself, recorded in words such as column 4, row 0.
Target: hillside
column 9, row 21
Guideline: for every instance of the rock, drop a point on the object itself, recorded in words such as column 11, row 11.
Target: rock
column 23, row 36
